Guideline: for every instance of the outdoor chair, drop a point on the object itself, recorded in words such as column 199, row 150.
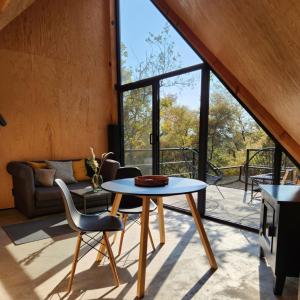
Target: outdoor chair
column 213, row 173
column 131, row 205
column 213, row 176
column 82, row 224
column 268, row 179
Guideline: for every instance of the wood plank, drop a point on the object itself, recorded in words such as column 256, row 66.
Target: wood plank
column 11, row 9
column 3, row 5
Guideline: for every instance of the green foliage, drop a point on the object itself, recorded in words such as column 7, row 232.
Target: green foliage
column 179, row 124
column 231, row 131
column 137, row 118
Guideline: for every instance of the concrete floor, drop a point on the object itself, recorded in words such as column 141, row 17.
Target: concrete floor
column 178, row 270
column 234, row 207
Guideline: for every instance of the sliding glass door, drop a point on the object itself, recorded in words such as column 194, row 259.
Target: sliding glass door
column 179, row 125
column 179, row 130
column 138, row 116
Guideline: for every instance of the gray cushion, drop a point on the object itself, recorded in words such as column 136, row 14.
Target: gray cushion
column 49, row 196
column 64, row 170
column 44, row 177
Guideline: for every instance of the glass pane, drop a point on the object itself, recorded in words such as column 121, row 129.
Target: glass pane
column 240, row 156
column 179, row 129
column 137, row 114
column 149, row 44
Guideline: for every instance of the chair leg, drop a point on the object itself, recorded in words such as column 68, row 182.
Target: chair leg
column 111, row 259
column 75, row 259
column 119, row 215
column 151, row 239
column 125, row 216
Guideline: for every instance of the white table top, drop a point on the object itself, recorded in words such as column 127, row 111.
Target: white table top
column 176, row 186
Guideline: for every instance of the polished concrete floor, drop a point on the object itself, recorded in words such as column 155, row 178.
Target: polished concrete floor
column 177, row 270
column 224, row 202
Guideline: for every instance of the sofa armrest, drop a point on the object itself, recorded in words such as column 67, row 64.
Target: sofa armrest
column 23, row 187
column 109, row 169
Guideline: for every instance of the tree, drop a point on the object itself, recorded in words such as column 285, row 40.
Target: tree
column 231, row 131
column 179, row 124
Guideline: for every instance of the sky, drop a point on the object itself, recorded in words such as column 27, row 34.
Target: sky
column 138, row 18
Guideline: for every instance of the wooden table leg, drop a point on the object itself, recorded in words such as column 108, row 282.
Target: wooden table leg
column 143, row 248
column 114, row 210
column 201, row 231
column 161, row 220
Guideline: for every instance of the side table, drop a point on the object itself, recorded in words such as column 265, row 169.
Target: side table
column 87, row 194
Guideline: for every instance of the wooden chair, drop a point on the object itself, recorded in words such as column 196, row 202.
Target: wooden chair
column 82, row 223
column 296, row 178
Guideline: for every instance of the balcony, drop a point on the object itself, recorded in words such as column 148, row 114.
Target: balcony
column 231, row 194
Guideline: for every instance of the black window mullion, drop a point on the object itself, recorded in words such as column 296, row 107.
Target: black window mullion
column 203, row 136
column 155, row 126
column 277, row 164
column 118, row 84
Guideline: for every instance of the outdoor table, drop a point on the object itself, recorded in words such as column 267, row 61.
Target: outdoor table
column 176, row 186
column 260, row 178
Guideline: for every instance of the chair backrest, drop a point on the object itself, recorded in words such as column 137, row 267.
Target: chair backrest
column 109, row 169
column 285, row 176
column 72, row 213
column 128, row 172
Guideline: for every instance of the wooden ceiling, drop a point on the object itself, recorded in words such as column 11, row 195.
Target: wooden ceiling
column 9, row 9
column 254, row 45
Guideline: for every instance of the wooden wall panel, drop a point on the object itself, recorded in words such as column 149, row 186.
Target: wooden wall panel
column 10, row 9
column 255, row 47
column 56, row 88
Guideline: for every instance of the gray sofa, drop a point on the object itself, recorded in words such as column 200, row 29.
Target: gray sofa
column 35, row 201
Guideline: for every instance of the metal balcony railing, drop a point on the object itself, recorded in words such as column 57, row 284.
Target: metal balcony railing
column 174, row 161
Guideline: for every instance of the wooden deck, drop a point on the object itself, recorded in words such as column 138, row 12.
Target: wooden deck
column 234, row 207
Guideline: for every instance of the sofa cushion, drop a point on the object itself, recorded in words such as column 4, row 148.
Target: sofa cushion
column 64, row 170
column 79, row 170
column 51, row 196
column 37, row 165
column 44, row 177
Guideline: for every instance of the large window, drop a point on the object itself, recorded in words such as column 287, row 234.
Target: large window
column 239, row 151
column 179, row 124
column 164, row 107
column 149, row 44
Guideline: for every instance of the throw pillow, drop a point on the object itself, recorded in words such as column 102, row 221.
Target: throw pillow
column 37, row 165
column 64, row 170
column 44, row 177
column 79, row 170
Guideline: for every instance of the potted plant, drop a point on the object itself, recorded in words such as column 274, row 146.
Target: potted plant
column 96, row 167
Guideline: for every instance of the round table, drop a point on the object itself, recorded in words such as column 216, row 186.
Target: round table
column 176, row 186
